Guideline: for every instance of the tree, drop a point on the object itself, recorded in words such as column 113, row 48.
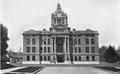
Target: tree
column 4, row 38
column 111, row 55
column 102, row 51
column 118, row 50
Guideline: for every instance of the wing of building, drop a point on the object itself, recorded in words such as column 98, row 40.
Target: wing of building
column 60, row 45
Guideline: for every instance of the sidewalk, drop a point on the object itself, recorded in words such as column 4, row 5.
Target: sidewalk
column 11, row 69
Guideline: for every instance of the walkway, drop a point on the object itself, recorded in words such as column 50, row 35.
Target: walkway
column 73, row 70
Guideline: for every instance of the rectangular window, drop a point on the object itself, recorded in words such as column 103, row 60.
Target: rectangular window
column 79, row 49
column 87, row 58
column 93, row 49
column 41, row 58
column 75, row 49
column 33, row 49
column 75, row 41
column 48, row 49
column 93, row 58
column 79, row 41
column 33, row 58
column 44, row 49
column 48, row 58
column 28, row 50
column 87, row 41
column 48, row 41
column 41, row 50
column 79, row 58
column 92, row 41
column 28, row 58
column 87, row 49
column 28, row 42
column 75, row 58
column 33, row 41
column 44, row 58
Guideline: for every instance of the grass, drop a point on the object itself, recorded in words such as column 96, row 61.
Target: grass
column 110, row 69
column 28, row 69
column 6, row 66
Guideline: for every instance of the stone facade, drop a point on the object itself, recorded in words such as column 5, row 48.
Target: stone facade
column 60, row 45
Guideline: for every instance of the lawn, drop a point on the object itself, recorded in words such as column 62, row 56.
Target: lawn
column 110, row 69
column 29, row 69
column 6, row 66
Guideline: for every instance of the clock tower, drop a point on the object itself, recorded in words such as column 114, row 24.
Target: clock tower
column 59, row 17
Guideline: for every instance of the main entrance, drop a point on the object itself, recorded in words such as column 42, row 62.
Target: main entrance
column 60, row 49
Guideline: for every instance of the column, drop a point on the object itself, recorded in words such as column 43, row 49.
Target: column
column 65, row 45
column 68, row 44
column 55, row 49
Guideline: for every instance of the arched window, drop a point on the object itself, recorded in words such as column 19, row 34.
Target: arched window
column 44, row 41
column 44, row 49
column 87, row 41
column 48, row 41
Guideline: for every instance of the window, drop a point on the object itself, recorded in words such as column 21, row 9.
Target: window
column 28, row 49
column 28, row 41
column 79, row 41
column 87, row 58
column 41, row 50
column 75, row 58
column 79, row 58
column 87, row 49
column 92, row 41
column 48, row 41
column 33, row 49
column 41, row 58
column 67, row 58
column 48, row 49
column 48, row 58
column 59, row 21
column 93, row 49
column 28, row 58
column 87, row 41
column 44, row 41
column 79, row 49
column 75, row 41
column 62, row 21
column 75, row 49
column 44, row 49
column 93, row 58
column 44, row 58
column 33, row 41
column 33, row 58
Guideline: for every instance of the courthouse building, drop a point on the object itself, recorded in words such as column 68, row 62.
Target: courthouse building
column 60, row 45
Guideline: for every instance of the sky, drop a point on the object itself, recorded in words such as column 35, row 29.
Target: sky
column 22, row 15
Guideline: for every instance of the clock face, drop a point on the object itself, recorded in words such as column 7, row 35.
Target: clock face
column 59, row 14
